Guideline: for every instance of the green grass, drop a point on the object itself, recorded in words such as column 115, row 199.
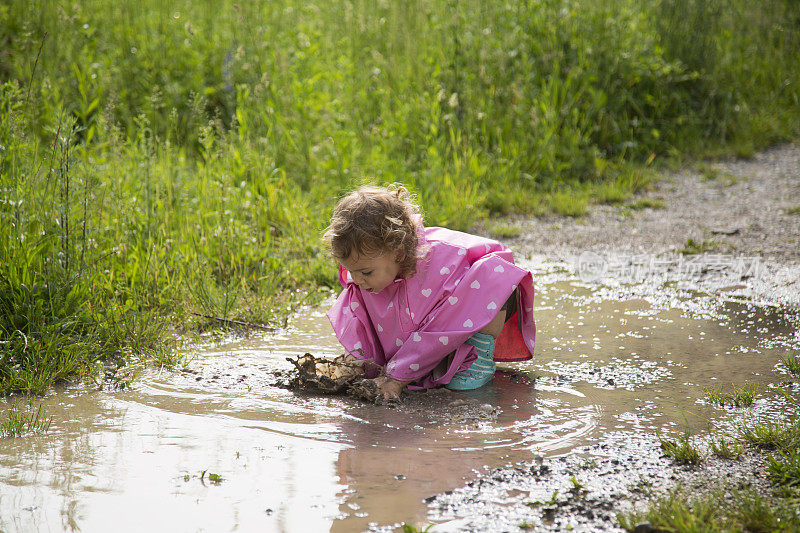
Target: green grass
column 694, row 247
column 795, row 210
column 725, row 449
column 409, row 528
column 569, row 203
column 161, row 164
column 714, row 395
column 677, row 511
column 23, row 419
column 719, row 510
column 646, row 203
column 792, row 363
column 743, row 396
column 504, row 231
column 682, row 450
column 771, row 434
column 216, row 479
column 710, row 173
column 783, row 470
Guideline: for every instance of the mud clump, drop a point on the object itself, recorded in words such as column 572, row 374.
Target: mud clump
column 334, row 376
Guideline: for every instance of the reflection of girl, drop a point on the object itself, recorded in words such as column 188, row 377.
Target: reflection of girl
column 431, row 306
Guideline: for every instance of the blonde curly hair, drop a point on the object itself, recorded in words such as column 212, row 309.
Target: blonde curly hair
column 374, row 220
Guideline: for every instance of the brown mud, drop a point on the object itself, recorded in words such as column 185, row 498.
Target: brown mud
column 333, row 376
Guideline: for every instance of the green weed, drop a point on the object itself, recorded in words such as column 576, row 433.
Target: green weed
column 216, row 479
column 714, row 395
column 792, row 363
column 504, row 231
column 568, row 203
column 770, row 435
column 678, row 511
column 710, row 173
column 24, row 419
column 718, row 510
column 751, row 511
column 646, row 203
column 794, row 210
column 725, row 449
column 784, row 471
column 409, row 528
column 693, row 247
column 743, row 396
column 612, row 193
column 682, row 449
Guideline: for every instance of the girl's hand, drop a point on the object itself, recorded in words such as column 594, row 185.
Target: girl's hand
column 390, row 388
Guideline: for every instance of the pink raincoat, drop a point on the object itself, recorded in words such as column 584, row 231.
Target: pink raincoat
column 415, row 323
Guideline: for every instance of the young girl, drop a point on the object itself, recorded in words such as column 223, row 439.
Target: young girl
column 431, row 306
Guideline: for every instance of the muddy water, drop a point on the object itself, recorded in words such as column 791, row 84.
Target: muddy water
column 142, row 458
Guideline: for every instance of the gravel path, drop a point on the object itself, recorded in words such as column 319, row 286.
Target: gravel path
column 737, row 212
column 738, row 206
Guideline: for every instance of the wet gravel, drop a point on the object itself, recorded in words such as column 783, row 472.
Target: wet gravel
column 584, row 491
column 623, row 374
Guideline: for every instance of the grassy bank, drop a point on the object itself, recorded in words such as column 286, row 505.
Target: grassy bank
column 159, row 159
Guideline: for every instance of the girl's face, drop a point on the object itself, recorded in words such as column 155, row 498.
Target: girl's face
column 372, row 273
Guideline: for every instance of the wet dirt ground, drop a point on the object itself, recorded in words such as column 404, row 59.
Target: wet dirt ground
column 628, row 335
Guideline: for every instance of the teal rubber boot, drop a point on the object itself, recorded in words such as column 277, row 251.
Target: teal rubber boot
column 481, row 371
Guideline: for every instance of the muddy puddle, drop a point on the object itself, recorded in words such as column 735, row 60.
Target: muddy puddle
column 282, row 461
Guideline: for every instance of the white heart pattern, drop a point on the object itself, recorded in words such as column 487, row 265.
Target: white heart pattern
column 491, row 305
column 380, row 328
column 488, row 248
column 414, row 366
column 444, row 340
column 391, row 304
column 354, row 305
column 462, row 251
column 398, row 342
column 457, row 282
column 444, row 271
column 468, row 323
column 475, row 285
column 417, row 337
column 499, row 268
column 357, row 346
column 426, row 292
column 453, row 300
